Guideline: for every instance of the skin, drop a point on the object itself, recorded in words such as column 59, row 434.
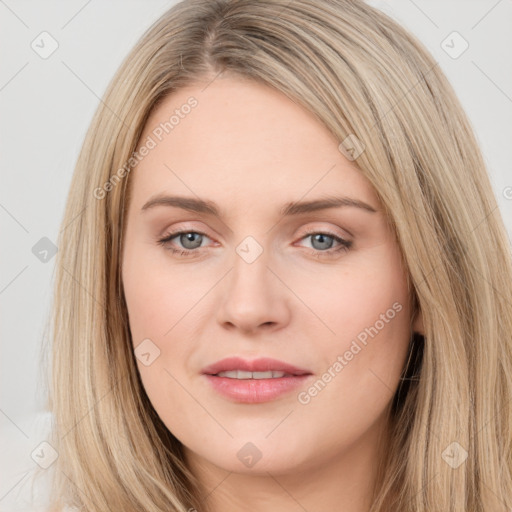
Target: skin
column 250, row 149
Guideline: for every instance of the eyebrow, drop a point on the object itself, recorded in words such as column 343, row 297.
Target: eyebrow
column 289, row 209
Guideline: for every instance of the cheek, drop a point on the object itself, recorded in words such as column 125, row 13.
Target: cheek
column 163, row 304
column 155, row 298
column 366, row 308
column 366, row 291
column 157, row 310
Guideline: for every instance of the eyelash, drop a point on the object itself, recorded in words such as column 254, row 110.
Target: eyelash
column 344, row 245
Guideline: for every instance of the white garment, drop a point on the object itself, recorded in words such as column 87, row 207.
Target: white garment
column 22, row 451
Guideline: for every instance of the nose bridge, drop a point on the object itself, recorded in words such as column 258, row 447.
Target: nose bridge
column 250, row 279
column 254, row 296
column 250, row 265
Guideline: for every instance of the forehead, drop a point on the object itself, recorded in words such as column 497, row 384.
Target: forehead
column 242, row 138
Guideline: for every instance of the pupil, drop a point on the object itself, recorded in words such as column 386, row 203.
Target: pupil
column 188, row 240
column 321, row 237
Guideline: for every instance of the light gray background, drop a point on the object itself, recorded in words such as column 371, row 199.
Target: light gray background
column 47, row 104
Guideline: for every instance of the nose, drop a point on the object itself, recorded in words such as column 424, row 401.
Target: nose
column 254, row 298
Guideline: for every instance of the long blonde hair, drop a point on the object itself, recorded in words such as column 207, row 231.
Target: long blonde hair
column 363, row 77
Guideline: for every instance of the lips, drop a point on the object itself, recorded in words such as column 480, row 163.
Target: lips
column 257, row 381
column 261, row 365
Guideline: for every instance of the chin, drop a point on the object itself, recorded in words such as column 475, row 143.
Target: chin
column 255, row 455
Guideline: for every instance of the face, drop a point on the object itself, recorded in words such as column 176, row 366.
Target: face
column 239, row 267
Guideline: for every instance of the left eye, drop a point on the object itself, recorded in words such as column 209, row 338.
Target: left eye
column 191, row 240
column 325, row 241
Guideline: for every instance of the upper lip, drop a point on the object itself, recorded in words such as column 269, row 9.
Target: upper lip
column 263, row 364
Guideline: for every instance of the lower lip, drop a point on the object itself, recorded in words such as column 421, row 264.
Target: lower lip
column 253, row 391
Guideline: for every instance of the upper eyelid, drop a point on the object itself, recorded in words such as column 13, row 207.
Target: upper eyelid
column 186, row 229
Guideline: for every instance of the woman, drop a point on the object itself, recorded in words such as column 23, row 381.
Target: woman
column 210, row 352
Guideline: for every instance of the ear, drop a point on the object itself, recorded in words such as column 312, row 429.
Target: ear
column 417, row 324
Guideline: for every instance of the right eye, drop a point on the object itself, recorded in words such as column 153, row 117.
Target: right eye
column 190, row 241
